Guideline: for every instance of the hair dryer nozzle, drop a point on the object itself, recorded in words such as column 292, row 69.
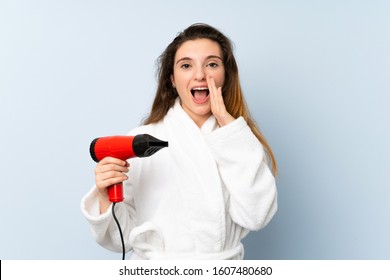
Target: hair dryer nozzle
column 145, row 145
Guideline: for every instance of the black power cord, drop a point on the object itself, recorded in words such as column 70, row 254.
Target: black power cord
column 120, row 230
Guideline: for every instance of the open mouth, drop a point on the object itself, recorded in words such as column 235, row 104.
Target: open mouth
column 200, row 94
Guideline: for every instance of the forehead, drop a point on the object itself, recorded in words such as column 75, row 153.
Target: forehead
column 198, row 48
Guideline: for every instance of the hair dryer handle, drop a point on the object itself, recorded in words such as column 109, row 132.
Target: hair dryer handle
column 115, row 193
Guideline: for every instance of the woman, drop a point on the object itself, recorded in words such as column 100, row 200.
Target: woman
column 198, row 198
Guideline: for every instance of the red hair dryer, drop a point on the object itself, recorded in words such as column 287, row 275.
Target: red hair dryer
column 124, row 147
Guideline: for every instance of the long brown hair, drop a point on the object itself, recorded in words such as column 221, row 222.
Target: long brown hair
column 234, row 100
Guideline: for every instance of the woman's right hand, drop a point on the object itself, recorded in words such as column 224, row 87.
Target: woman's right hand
column 109, row 171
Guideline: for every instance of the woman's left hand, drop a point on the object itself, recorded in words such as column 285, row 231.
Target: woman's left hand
column 217, row 105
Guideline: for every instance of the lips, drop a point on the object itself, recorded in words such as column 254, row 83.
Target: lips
column 200, row 94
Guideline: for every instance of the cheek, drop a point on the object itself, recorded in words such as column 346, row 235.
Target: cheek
column 181, row 79
column 219, row 76
column 220, row 79
column 181, row 90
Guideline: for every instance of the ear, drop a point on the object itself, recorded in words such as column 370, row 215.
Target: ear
column 173, row 81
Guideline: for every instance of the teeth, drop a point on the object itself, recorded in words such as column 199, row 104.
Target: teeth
column 200, row 88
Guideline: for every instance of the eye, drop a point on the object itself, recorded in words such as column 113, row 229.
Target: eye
column 213, row 65
column 185, row 66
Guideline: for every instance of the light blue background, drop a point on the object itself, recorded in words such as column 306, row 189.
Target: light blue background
column 315, row 75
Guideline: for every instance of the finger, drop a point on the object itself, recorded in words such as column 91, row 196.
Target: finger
column 212, row 87
column 102, row 168
column 107, row 174
column 103, row 185
column 113, row 160
column 104, row 180
column 110, row 163
column 212, row 91
column 216, row 99
column 112, row 175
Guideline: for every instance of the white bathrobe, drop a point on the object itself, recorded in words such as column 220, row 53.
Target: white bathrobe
column 195, row 199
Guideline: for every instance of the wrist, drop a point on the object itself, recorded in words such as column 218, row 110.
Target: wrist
column 225, row 120
column 104, row 201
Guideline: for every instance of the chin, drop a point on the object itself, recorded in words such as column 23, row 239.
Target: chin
column 205, row 112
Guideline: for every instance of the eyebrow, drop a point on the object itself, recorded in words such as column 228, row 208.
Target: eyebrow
column 189, row 58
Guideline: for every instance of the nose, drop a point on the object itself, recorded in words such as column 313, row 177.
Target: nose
column 200, row 74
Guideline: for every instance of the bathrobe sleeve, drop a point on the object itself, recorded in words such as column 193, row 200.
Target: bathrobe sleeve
column 103, row 226
column 245, row 174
